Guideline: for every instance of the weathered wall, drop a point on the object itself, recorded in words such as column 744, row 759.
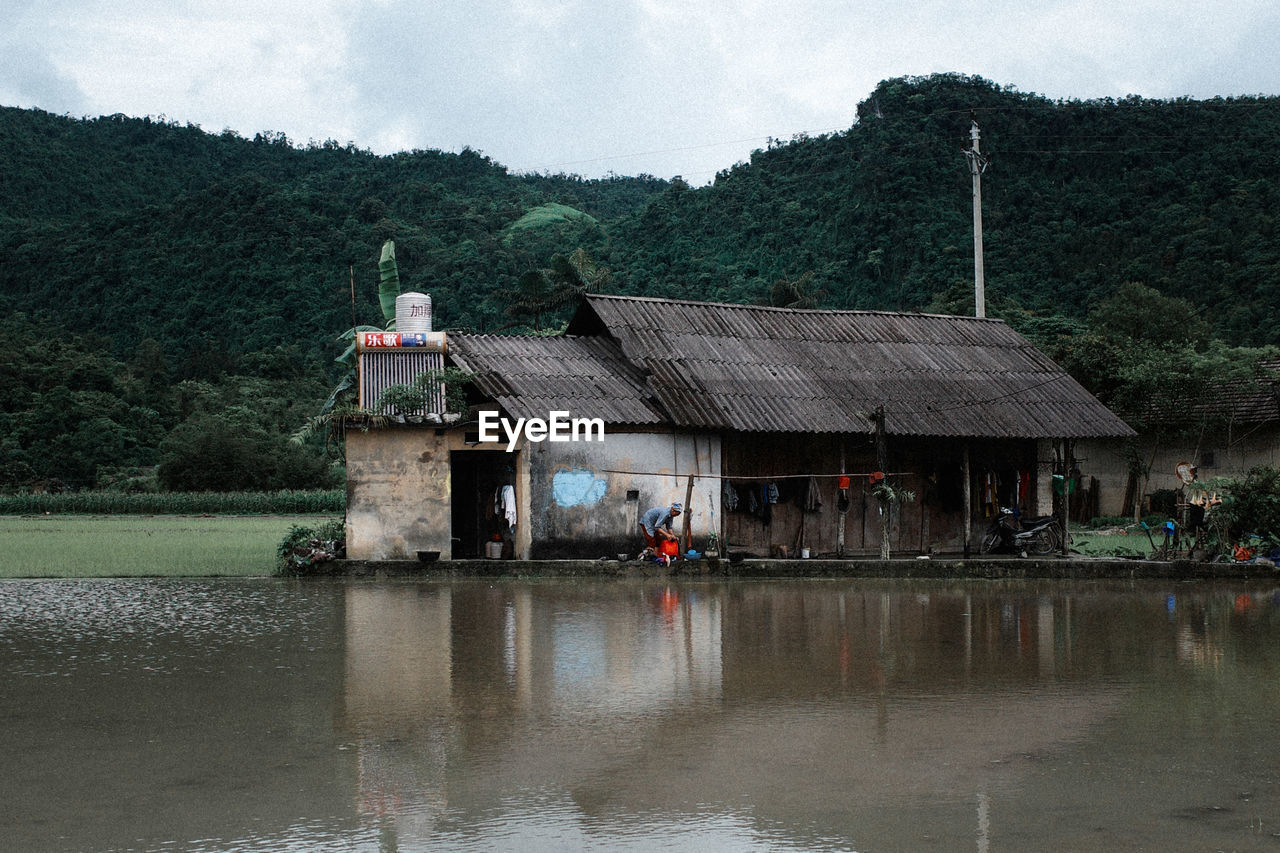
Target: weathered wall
column 397, row 493
column 1233, row 453
column 578, row 491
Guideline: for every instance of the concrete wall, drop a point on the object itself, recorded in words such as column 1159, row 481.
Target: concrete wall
column 397, row 493
column 572, row 497
column 578, row 491
column 1233, row 453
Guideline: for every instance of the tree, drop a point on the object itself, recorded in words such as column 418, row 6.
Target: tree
column 543, row 291
column 211, row 452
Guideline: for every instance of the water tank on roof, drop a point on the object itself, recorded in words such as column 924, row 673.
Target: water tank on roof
column 413, row 312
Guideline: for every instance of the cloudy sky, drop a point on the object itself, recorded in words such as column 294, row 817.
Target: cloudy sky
column 663, row 87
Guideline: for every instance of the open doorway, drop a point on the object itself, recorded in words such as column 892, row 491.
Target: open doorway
column 476, row 484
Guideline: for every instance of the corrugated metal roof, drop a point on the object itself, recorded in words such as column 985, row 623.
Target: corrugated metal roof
column 1255, row 400
column 532, row 376
column 762, row 369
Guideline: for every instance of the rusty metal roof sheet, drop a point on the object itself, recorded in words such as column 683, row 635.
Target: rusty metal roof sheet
column 532, row 376
column 752, row 368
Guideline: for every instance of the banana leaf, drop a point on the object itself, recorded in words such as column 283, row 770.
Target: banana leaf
column 348, row 356
column 389, row 284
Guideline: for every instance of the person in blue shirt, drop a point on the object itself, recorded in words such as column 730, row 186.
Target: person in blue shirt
column 655, row 526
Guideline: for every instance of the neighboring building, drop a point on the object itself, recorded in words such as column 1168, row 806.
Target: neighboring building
column 757, row 417
column 1233, row 429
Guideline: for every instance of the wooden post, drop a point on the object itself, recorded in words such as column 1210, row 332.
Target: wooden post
column 840, row 515
column 688, row 511
column 968, row 503
column 1068, row 462
column 882, row 459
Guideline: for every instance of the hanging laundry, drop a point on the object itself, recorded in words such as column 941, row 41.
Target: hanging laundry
column 991, row 494
column 506, row 504
column 813, row 496
column 730, row 497
column 772, row 491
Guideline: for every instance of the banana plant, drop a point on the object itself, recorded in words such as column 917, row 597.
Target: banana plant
column 388, row 290
column 388, row 283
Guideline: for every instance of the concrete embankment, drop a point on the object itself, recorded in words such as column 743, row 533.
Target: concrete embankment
column 984, row 568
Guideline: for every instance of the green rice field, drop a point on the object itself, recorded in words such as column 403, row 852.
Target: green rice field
column 80, row 546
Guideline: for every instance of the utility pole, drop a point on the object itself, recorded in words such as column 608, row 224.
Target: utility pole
column 977, row 165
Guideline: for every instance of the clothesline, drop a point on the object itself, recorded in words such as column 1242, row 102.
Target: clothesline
column 850, row 475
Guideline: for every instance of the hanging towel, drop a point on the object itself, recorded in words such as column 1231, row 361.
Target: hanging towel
column 813, row 496
column 507, row 504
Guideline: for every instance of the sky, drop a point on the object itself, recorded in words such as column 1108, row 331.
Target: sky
column 594, row 87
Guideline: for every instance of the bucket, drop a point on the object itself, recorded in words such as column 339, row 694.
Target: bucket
column 669, row 548
column 493, row 550
column 413, row 313
column 804, row 553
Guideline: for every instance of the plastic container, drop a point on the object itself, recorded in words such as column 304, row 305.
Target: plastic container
column 413, row 313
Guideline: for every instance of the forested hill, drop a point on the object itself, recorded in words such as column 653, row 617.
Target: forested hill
column 141, row 228
column 216, row 246
column 173, row 296
column 1079, row 197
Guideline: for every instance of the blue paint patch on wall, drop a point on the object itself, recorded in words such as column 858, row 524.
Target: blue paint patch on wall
column 577, row 487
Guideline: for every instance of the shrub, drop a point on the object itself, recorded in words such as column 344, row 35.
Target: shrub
column 284, row 502
column 212, row 453
column 1250, row 507
column 304, row 549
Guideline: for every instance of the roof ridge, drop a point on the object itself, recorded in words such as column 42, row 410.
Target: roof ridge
column 772, row 308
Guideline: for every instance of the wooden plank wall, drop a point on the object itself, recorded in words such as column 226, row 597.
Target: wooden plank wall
column 930, row 469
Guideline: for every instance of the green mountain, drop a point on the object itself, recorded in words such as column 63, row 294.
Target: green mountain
column 1079, row 197
column 163, row 255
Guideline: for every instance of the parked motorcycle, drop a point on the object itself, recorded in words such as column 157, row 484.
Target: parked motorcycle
column 1010, row 534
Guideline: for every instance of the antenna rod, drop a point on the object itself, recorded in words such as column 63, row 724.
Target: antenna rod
column 351, row 271
column 977, row 164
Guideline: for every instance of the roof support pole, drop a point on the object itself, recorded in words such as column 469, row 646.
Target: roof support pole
column 1068, row 463
column 885, row 505
column 968, row 502
column 840, row 513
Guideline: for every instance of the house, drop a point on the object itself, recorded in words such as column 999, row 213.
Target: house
column 762, row 420
column 1224, row 433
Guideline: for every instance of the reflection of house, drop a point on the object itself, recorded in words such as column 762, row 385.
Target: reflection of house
column 594, row 706
column 1223, row 435
column 751, row 414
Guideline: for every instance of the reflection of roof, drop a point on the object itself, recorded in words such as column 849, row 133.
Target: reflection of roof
column 531, row 376
column 762, row 369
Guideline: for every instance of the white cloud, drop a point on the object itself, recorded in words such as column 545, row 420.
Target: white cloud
column 587, row 86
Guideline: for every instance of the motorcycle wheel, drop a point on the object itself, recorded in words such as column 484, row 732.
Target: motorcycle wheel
column 990, row 543
column 1043, row 542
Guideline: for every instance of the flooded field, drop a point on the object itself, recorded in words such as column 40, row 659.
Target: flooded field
column 255, row 715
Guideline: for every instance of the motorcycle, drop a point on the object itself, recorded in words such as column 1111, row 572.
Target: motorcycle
column 1010, row 534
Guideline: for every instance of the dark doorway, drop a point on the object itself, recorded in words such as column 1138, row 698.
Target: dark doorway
column 476, row 487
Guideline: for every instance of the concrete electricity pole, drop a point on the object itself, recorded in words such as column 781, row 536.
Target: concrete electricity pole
column 977, row 165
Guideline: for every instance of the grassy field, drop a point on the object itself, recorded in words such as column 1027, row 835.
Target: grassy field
column 78, row 546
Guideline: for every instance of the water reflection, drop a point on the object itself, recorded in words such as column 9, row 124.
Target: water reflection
column 635, row 715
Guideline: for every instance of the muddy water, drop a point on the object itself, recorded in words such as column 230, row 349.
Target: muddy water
column 620, row 715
